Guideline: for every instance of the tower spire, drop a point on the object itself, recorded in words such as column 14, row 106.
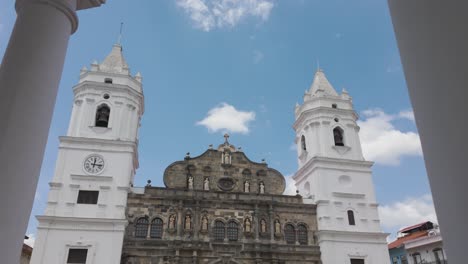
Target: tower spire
column 119, row 39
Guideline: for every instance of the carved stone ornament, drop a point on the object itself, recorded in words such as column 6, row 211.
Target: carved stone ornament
column 226, row 184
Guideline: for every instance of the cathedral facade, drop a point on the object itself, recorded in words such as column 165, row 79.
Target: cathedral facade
column 219, row 207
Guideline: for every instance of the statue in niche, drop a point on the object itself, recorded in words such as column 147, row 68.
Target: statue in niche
column 246, row 186
column 172, row 222
column 277, row 226
column 263, row 227
column 248, row 225
column 204, row 223
column 206, row 184
column 190, row 182
column 262, row 188
column 188, row 222
column 226, row 157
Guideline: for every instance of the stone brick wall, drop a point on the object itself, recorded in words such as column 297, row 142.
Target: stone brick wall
column 196, row 245
column 239, row 170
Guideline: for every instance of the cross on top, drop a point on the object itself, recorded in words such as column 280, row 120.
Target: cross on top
column 226, row 137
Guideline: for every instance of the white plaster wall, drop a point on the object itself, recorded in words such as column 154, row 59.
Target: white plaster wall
column 335, row 252
column 426, row 252
column 112, row 183
column 125, row 104
column 97, row 226
column 52, row 245
column 338, row 179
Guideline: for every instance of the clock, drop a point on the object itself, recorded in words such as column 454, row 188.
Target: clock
column 93, row 164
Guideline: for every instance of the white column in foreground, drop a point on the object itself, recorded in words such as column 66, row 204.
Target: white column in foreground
column 29, row 77
column 433, row 42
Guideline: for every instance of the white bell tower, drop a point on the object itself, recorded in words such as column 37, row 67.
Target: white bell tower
column 84, row 221
column 334, row 175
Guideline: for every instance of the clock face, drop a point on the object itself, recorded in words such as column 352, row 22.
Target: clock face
column 94, row 164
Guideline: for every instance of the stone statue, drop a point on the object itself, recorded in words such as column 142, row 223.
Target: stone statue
column 188, row 222
column 227, row 158
column 172, row 222
column 263, row 226
column 246, row 186
column 204, row 223
column 248, row 225
column 206, row 184
column 190, row 182
column 262, row 188
column 277, row 226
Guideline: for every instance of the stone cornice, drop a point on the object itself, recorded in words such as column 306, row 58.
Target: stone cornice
column 322, row 162
column 352, row 236
column 97, row 141
column 45, row 219
column 322, row 110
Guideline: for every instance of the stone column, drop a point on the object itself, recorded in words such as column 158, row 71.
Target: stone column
column 272, row 225
column 29, row 77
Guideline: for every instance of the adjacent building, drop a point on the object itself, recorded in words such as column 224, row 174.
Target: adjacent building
column 418, row 244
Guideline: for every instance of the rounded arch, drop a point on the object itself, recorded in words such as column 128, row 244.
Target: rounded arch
column 233, row 230
column 157, row 226
column 351, row 217
column 246, row 173
column 141, row 227
column 338, row 136
column 219, row 230
column 207, row 171
column 289, row 233
column 302, row 234
column 102, row 115
column 303, row 143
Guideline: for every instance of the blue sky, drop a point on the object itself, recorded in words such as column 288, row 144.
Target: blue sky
column 251, row 60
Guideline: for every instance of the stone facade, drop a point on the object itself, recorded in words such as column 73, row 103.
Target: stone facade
column 214, row 210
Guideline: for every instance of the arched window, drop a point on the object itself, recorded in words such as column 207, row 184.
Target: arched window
column 351, row 220
column 141, row 227
column 338, row 136
column 218, row 231
column 302, row 234
column 156, row 230
column 232, row 231
column 289, row 234
column 102, row 116
column 303, row 143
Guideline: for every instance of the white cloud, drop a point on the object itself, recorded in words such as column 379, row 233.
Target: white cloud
column 210, row 14
column 30, row 242
column 290, row 185
column 382, row 142
column 257, row 56
column 408, row 114
column 411, row 211
column 227, row 118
